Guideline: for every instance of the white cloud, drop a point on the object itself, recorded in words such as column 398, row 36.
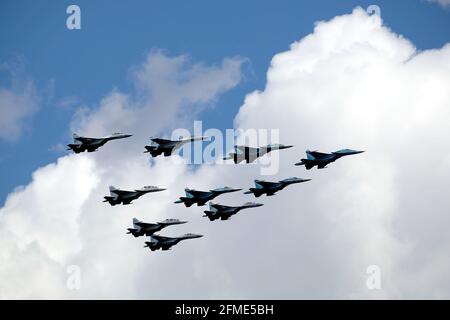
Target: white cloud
column 443, row 3
column 168, row 89
column 63, row 220
column 17, row 103
column 351, row 83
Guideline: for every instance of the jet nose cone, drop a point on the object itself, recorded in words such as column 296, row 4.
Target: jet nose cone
column 200, row 138
column 122, row 135
column 286, row 147
column 354, row 151
column 228, row 189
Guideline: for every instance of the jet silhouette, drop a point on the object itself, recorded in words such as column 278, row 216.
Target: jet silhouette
column 250, row 154
column 202, row 197
column 218, row 211
column 81, row 144
column 165, row 243
column 118, row 196
column 319, row 159
column 167, row 147
column 147, row 229
column 270, row 188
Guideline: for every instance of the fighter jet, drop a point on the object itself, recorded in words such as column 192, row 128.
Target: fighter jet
column 147, row 229
column 81, row 144
column 160, row 146
column 319, row 159
column 202, row 197
column 165, row 243
column 270, row 188
column 250, row 154
column 118, row 196
column 218, row 211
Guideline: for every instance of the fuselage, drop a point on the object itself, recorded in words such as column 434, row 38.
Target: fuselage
column 270, row 188
column 118, row 196
column 201, row 197
column 321, row 160
column 217, row 211
column 82, row 144
column 142, row 228
column 165, row 243
column 167, row 147
column 250, row 154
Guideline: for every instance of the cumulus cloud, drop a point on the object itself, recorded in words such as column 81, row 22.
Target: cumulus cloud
column 72, row 225
column 351, row 83
column 18, row 101
column 167, row 89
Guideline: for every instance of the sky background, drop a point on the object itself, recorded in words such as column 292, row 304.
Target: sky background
column 325, row 74
column 76, row 68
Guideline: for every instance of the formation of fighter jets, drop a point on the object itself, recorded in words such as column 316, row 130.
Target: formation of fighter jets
column 216, row 211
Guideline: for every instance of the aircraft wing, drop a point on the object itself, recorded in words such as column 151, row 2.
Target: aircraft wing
column 161, row 141
column 144, row 225
column 161, row 238
column 122, row 192
column 84, row 139
column 197, row 193
column 219, row 206
column 267, row 184
column 319, row 155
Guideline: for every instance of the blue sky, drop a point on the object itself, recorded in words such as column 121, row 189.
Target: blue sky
column 116, row 35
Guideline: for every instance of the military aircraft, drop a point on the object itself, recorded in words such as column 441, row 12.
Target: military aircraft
column 81, row 144
column 118, row 196
column 319, row 159
column 147, row 229
column 250, row 154
column 270, row 188
column 218, row 211
column 202, row 197
column 165, row 243
column 167, row 147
